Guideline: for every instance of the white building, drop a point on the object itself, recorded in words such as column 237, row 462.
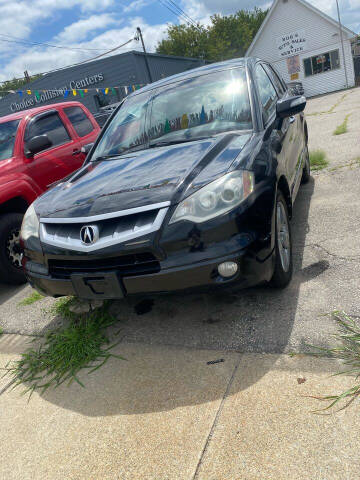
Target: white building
column 304, row 44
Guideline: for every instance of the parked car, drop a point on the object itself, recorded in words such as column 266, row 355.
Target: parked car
column 37, row 148
column 104, row 113
column 191, row 184
column 296, row 88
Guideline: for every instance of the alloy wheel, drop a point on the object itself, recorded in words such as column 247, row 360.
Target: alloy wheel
column 283, row 236
column 13, row 250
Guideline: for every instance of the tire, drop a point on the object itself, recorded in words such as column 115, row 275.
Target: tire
column 283, row 262
column 10, row 260
column 306, row 171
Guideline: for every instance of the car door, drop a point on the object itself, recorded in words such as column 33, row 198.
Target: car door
column 60, row 159
column 83, row 128
column 297, row 140
column 268, row 97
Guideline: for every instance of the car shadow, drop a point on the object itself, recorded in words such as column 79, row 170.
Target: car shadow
column 163, row 335
column 8, row 291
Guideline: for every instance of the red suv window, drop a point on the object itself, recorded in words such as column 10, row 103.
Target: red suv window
column 79, row 120
column 51, row 125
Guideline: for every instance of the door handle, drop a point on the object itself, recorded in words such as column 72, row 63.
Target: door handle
column 76, row 152
column 292, row 119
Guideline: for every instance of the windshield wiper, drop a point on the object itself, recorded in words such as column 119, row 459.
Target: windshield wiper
column 164, row 143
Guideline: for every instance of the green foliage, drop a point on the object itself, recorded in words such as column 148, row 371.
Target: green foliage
column 1, row 331
column 342, row 128
column 226, row 37
column 63, row 352
column 32, row 298
column 348, row 352
column 15, row 84
column 318, row 160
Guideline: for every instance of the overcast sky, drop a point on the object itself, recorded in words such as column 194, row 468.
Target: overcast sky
column 99, row 25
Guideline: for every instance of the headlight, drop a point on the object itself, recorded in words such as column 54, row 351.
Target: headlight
column 30, row 224
column 217, row 198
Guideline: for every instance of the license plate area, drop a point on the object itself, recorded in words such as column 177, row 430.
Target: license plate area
column 99, row 286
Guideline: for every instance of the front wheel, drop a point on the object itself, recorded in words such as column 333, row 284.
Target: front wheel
column 10, row 253
column 283, row 245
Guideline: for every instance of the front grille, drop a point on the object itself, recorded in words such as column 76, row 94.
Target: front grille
column 125, row 265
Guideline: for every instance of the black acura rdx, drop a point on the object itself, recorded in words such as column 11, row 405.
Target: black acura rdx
column 190, row 184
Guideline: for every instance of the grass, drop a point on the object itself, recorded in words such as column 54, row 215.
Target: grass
column 342, row 128
column 348, row 351
column 32, row 298
column 318, row 160
column 65, row 351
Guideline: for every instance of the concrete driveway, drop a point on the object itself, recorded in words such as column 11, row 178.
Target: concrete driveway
column 166, row 413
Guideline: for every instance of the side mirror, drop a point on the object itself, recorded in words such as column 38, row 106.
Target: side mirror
column 37, row 144
column 86, row 148
column 290, row 106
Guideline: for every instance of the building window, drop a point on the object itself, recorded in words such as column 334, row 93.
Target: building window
column 322, row 63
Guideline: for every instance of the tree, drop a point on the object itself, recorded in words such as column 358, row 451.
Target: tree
column 226, row 36
column 15, row 84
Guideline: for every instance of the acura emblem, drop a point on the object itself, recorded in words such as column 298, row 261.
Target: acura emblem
column 89, row 234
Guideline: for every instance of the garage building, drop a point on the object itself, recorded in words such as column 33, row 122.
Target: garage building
column 97, row 77
column 304, row 45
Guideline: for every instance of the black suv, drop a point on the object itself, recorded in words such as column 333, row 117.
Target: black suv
column 190, row 184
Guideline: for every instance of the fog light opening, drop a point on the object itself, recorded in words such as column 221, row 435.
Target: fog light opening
column 227, row 269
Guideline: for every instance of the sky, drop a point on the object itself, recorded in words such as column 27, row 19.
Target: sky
column 92, row 27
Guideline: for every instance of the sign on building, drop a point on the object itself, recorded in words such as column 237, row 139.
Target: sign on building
column 291, row 44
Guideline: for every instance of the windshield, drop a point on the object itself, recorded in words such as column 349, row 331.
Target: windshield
column 193, row 108
column 7, row 138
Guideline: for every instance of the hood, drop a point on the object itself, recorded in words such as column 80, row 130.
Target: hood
column 142, row 178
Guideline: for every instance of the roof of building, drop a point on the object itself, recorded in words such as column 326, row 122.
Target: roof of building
column 305, row 4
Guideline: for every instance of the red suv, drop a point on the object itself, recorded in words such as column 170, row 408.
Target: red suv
column 37, row 148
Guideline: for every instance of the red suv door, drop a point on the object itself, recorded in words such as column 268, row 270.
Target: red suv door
column 58, row 161
column 85, row 128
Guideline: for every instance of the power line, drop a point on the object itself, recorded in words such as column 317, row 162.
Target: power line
column 192, row 21
column 178, row 13
column 23, row 42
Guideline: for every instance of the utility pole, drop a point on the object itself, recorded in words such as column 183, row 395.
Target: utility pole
column 145, row 54
column 342, row 44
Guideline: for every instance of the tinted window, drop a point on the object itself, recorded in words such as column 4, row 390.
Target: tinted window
column 79, row 120
column 202, row 106
column 276, row 80
column 189, row 109
column 127, row 128
column 51, row 125
column 267, row 92
column 7, row 138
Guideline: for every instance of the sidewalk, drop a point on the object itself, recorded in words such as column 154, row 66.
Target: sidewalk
column 166, row 414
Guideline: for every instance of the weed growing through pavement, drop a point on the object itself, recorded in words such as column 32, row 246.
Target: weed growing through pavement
column 348, row 351
column 65, row 351
column 32, row 298
column 342, row 128
column 318, row 160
